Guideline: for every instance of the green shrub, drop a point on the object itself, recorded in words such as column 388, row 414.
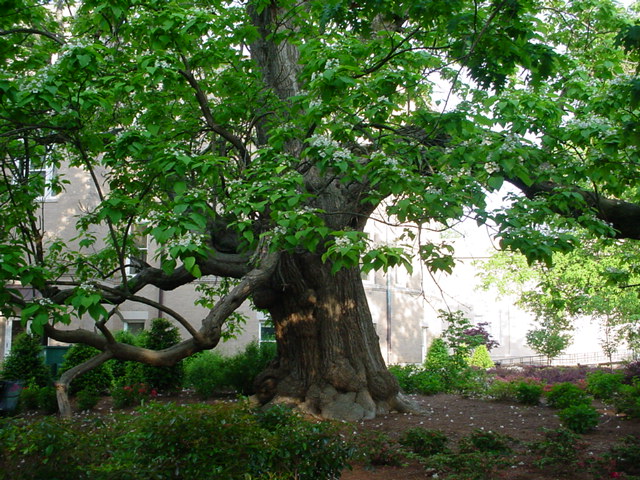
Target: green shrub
column 626, row 456
column 424, row 442
column 50, row 448
column 29, row 397
column 119, row 367
column 580, row 418
column 485, row 441
column 627, row 400
column 527, row 392
column 377, row 449
column 47, row 400
column 205, row 373
column 503, row 390
column 558, row 451
column 450, row 373
column 243, row 367
column 415, row 379
column 162, row 334
column 566, row 394
column 468, row 381
column 168, row 442
column 604, row 385
column 132, row 394
column 98, row 379
column 481, row 358
column 467, row 466
column 87, row 399
column 438, row 357
column 226, row 442
column 26, row 362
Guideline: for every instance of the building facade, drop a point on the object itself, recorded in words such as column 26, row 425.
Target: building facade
column 405, row 307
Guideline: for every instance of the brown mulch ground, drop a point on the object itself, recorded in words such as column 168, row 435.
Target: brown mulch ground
column 458, row 417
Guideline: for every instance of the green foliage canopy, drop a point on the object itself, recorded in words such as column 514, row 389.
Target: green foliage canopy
column 226, row 136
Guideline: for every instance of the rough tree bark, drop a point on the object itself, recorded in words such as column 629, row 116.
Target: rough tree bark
column 329, row 361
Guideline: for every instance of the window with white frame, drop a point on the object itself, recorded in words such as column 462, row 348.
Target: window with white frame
column 134, row 321
column 267, row 332
column 38, row 175
column 48, row 174
column 140, row 250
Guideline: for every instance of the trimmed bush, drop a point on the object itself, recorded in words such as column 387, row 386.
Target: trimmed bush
column 29, row 397
column 47, row 400
column 564, row 395
column 87, row 399
column 119, row 367
column 25, row 362
column 205, row 373
column 245, row 366
column 481, row 358
column 627, row 400
column 132, row 394
column 50, row 448
column 162, row 334
column 604, row 385
column 98, row 379
column 227, row 442
column 415, row 379
column 438, row 357
column 528, row 392
column 580, row 418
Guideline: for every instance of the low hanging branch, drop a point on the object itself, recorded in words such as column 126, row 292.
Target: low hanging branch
column 206, row 338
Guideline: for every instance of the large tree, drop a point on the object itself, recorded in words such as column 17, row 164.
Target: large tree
column 255, row 139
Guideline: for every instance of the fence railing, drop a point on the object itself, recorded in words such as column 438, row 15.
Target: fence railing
column 594, row 358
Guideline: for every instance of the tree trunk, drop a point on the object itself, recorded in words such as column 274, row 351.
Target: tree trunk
column 329, row 361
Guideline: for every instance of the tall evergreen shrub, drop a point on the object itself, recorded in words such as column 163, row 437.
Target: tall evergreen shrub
column 163, row 334
column 26, row 362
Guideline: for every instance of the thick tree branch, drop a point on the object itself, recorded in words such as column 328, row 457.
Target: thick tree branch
column 623, row 216
column 203, row 102
column 34, row 31
column 208, row 336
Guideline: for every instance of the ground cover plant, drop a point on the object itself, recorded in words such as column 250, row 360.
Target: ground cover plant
column 164, row 441
column 450, row 435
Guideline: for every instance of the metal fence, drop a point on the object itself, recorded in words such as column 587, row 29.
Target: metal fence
column 594, row 358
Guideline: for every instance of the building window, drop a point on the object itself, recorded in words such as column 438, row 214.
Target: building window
column 37, row 176
column 48, row 175
column 140, row 250
column 133, row 327
column 267, row 332
column 134, row 321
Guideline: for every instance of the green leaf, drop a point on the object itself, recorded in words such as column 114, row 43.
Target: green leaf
column 189, row 263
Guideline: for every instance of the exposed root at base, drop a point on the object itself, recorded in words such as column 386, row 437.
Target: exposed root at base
column 350, row 406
